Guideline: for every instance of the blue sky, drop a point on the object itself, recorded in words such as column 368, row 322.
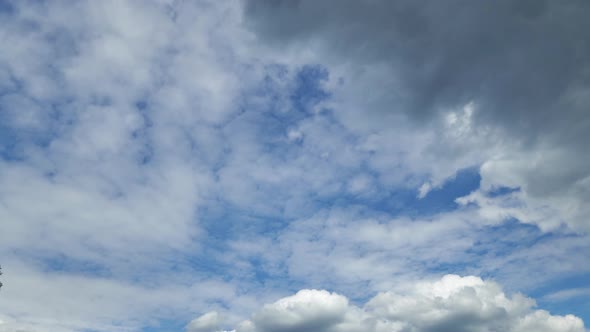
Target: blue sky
column 314, row 166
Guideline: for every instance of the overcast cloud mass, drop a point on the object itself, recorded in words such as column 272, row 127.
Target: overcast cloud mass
column 287, row 166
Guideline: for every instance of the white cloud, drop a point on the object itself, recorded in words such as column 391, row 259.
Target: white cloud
column 306, row 310
column 552, row 192
column 205, row 323
column 452, row 303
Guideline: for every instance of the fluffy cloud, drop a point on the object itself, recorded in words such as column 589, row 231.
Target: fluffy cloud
column 466, row 304
column 307, row 310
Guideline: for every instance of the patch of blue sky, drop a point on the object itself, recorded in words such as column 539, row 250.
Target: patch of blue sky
column 165, row 325
column 9, row 148
column 440, row 199
column 500, row 191
column 25, row 120
column 264, row 276
column 6, row 8
column 146, row 153
column 443, row 198
column 14, row 141
column 403, row 201
column 141, row 104
column 309, row 91
column 283, row 110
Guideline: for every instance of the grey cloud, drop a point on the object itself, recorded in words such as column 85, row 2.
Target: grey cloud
column 523, row 66
column 514, row 59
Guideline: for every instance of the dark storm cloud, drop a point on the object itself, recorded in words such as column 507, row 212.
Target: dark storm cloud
column 525, row 63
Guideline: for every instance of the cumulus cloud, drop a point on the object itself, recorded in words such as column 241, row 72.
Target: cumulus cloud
column 453, row 303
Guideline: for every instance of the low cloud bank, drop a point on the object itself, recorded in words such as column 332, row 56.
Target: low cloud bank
column 454, row 303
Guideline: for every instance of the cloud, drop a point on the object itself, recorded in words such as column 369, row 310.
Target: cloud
column 148, row 148
column 36, row 300
column 520, row 69
column 307, row 310
column 342, row 248
column 567, row 294
column 436, row 61
column 205, row 323
column 107, row 115
column 452, row 303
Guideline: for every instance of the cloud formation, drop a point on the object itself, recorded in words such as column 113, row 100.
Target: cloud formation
column 522, row 68
column 205, row 323
column 168, row 158
column 460, row 304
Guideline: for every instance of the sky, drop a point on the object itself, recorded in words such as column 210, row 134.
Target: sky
column 294, row 165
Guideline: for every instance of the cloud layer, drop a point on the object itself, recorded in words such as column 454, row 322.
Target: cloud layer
column 163, row 159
